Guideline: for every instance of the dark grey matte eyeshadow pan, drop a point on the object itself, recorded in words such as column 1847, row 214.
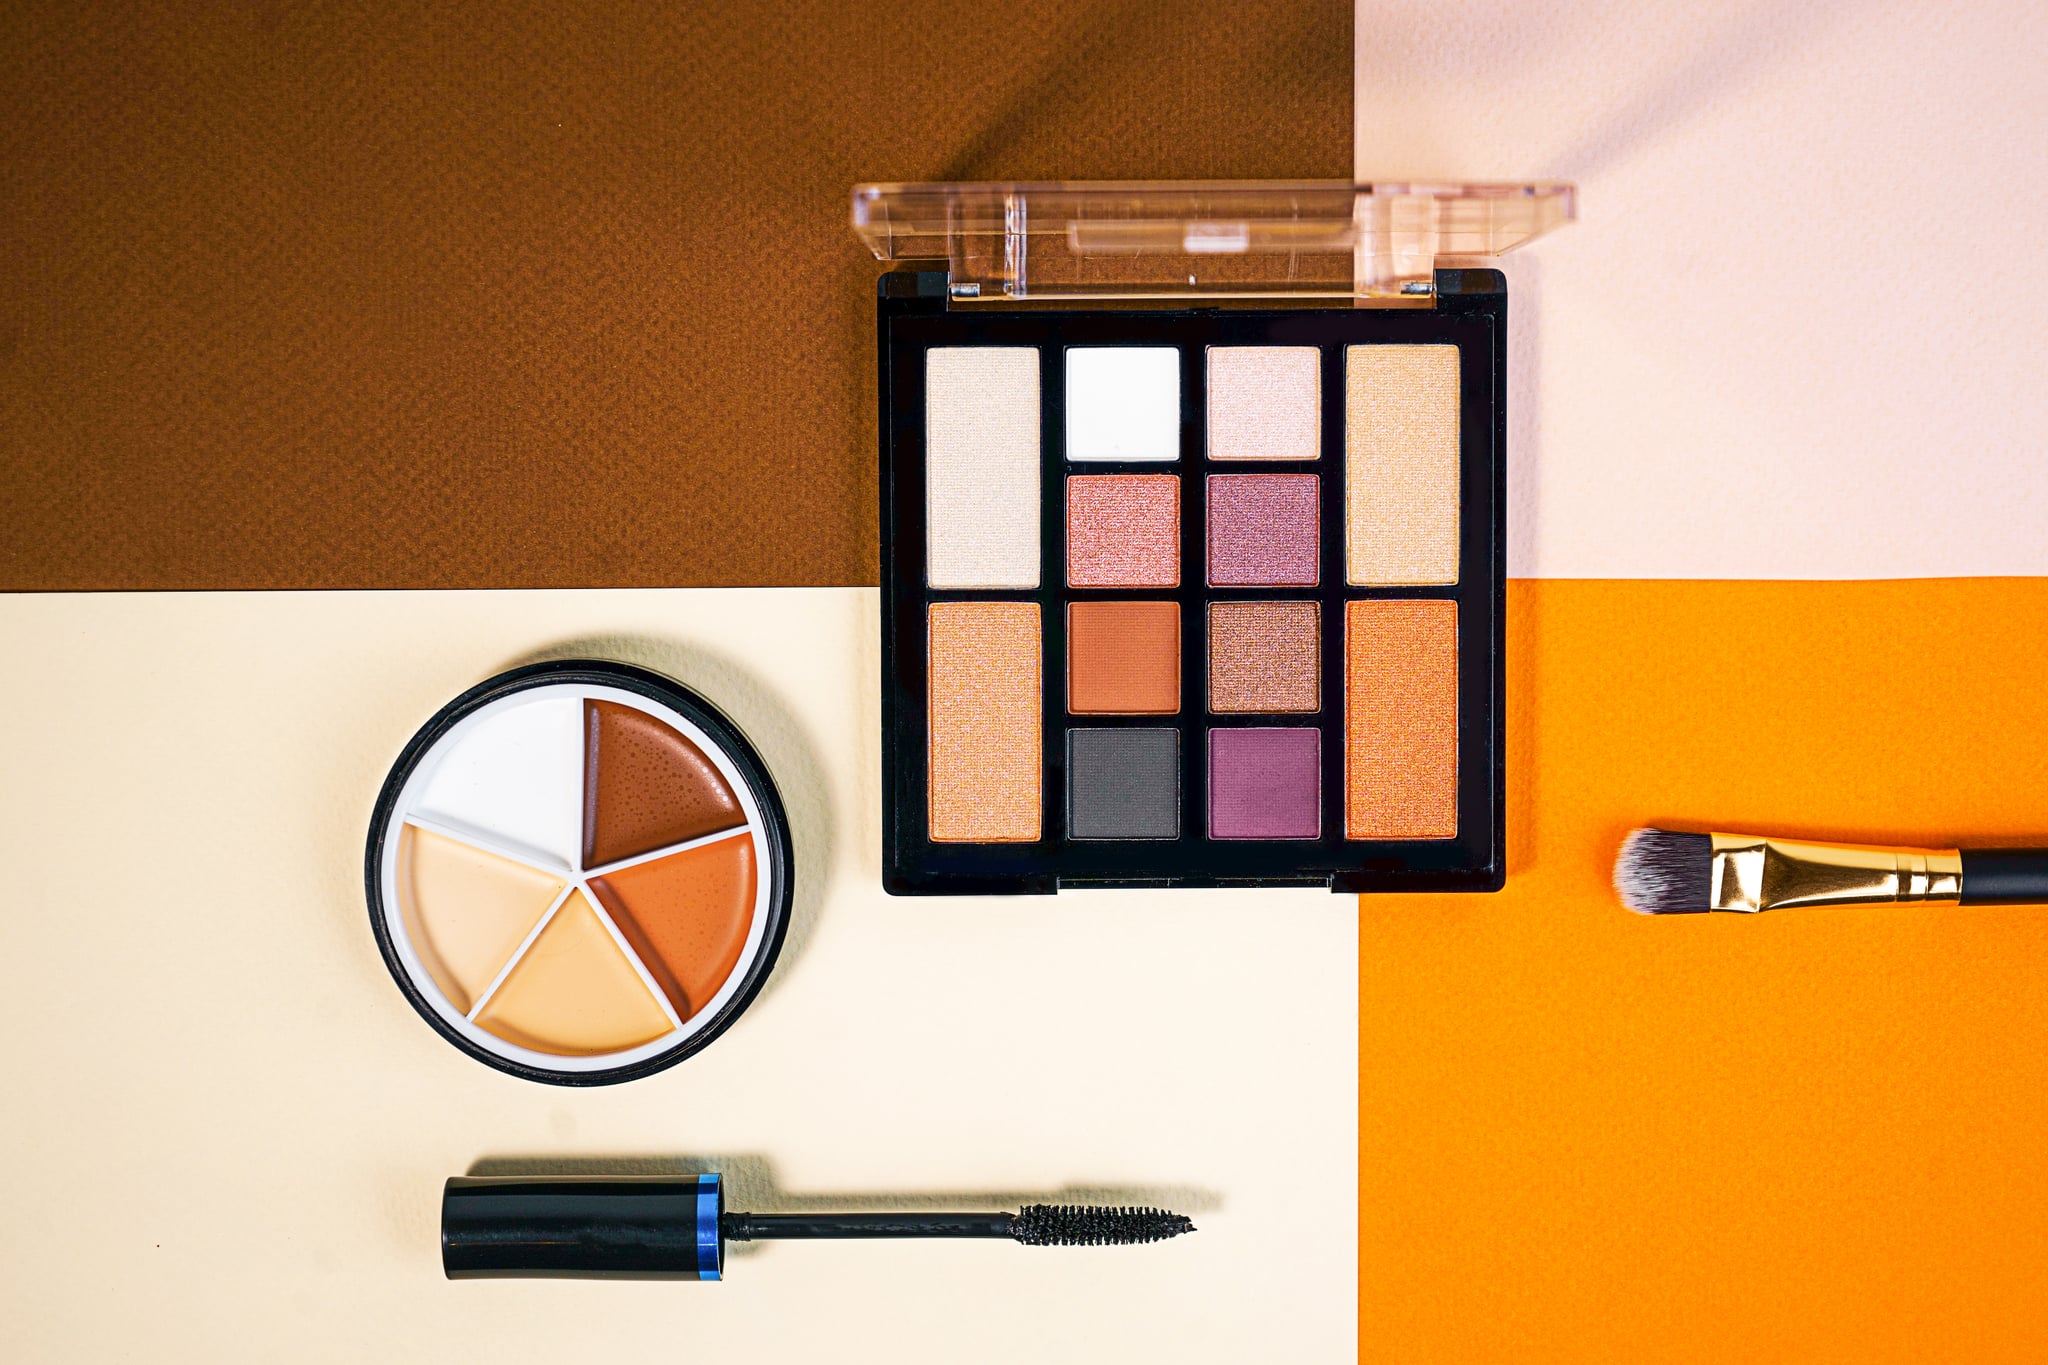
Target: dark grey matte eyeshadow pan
column 1123, row 784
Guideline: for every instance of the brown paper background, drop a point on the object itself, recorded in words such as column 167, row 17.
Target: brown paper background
column 444, row 296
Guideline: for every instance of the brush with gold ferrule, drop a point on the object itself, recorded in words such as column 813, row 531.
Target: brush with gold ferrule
column 1664, row 872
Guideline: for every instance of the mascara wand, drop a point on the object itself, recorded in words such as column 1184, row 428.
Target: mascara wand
column 677, row 1228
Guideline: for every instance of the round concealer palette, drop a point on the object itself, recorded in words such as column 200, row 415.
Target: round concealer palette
column 579, row 872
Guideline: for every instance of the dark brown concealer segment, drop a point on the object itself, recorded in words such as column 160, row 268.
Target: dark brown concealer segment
column 645, row 786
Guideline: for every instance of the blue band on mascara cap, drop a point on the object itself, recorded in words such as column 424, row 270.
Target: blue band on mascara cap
column 710, row 1196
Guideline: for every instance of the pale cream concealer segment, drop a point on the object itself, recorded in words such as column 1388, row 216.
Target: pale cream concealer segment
column 1401, row 465
column 981, row 467
column 986, row 675
column 574, row 993
column 466, row 911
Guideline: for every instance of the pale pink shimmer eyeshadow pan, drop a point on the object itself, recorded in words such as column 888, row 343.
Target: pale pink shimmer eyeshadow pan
column 1265, row 402
column 1123, row 530
column 1264, row 529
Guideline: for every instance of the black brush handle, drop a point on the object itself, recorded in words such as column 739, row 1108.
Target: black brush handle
column 756, row 1227
column 2005, row 876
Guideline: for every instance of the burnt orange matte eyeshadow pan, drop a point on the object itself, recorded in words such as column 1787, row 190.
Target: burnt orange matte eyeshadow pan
column 1123, row 658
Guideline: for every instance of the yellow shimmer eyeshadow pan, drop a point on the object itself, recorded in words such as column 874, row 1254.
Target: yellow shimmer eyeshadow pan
column 1402, row 520
column 579, row 872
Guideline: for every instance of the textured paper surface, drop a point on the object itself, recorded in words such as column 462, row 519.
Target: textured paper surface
column 531, row 295
column 1585, row 1135
column 226, row 1115
column 1795, row 332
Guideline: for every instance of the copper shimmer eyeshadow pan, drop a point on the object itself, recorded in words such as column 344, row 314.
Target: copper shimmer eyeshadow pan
column 986, row 780
column 1267, row 644
column 579, row 872
column 1401, row 719
column 1265, row 657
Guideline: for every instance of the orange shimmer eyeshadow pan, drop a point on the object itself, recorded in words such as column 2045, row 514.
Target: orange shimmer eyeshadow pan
column 1401, row 719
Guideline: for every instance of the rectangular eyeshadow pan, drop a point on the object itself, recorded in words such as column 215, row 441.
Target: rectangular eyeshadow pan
column 1401, row 719
column 1401, row 465
column 1333, row 715
column 985, row 671
column 982, row 469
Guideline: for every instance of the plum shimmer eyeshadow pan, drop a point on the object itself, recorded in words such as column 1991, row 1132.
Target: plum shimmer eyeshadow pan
column 1193, row 534
column 579, row 872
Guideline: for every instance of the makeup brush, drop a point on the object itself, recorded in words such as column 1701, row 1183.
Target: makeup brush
column 1664, row 872
column 677, row 1228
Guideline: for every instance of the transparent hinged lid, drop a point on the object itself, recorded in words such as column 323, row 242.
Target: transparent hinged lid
column 1310, row 239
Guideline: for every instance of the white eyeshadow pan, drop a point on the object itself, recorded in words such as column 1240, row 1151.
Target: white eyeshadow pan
column 981, row 467
column 1123, row 403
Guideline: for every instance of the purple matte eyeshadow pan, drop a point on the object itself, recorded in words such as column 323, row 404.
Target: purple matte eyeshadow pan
column 1265, row 783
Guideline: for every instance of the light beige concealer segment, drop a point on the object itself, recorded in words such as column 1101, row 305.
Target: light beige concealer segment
column 465, row 910
column 986, row 678
column 574, row 994
column 1401, row 465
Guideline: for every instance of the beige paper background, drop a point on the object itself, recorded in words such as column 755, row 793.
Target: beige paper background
column 1796, row 332
column 226, row 1131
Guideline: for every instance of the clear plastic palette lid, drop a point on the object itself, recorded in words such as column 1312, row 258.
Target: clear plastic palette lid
column 1310, row 239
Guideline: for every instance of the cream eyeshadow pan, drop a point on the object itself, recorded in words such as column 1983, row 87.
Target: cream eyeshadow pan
column 579, row 874
column 1205, row 597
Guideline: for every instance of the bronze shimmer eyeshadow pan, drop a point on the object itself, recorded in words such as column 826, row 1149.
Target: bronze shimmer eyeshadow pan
column 1193, row 528
column 579, row 872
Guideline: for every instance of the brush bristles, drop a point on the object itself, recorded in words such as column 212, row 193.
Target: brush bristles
column 1663, row 872
column 1070, row 1225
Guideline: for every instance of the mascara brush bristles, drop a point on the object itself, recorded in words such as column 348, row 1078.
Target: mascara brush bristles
column 1070, row 1225
column 1664, row 872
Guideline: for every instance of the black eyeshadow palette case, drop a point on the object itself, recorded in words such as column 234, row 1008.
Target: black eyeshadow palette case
column 1192, row 535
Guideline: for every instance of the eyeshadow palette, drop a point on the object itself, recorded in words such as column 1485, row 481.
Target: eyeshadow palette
column 579, row 872
column 1195, row 585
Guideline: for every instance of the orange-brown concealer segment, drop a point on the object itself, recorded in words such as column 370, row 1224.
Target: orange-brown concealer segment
column 686, row 915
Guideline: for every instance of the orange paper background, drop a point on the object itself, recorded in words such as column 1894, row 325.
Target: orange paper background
column 1820, row 1135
